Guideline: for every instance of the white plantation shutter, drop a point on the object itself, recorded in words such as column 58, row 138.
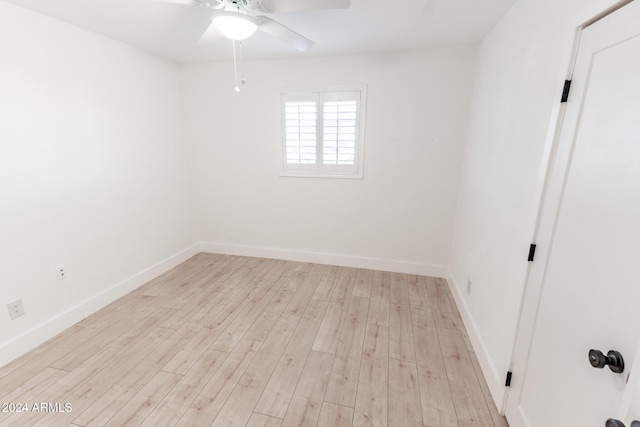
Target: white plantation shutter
column 322, row 133
column 300, row 132
column 339, row 128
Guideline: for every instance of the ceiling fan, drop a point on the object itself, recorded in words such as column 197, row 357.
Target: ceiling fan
column 239, row 19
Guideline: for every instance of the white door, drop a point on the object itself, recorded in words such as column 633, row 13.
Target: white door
column 629, row 411
column 583, row 290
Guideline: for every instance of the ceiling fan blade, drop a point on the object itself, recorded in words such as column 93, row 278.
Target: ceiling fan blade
column 283, row 33
column 185, row 21
column 210, row 35
column 211, row 4
column 279, row 6
column 185, row 2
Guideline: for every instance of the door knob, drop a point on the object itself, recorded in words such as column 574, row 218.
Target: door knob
column 613, row 359
column 617, row 423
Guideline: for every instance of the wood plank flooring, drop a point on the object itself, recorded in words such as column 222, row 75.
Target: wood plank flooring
column 234, row 341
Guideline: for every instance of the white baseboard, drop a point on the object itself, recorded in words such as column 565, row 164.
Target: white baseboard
column 326, row 258
column 495, row 379
column 16, row 347
column 518, row 419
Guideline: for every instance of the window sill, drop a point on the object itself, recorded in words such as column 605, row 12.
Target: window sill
column 321, row 175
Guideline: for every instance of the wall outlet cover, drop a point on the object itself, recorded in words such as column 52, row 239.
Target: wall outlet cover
column 61, row 272
column 16, row 309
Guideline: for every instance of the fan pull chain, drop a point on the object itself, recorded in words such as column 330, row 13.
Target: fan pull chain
column 242, row 80
column 235, row 64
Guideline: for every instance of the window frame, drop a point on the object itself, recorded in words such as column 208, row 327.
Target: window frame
column 322, row 94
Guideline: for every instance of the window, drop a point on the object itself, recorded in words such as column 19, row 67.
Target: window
column 323, row 132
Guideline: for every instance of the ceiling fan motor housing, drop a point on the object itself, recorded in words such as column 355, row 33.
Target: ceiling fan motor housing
column 246, row 4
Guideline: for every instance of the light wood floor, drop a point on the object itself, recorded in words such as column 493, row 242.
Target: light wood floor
column 234, row 341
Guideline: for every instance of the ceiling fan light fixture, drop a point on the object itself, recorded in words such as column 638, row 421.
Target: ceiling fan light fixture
column 238, row 27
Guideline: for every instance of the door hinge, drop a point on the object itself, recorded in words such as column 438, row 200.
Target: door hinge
column 565, row 91
column 532, row 252
column 507, row 383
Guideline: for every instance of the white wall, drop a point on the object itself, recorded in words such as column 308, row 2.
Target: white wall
column 93, row 173
column 522, row 65
column 398, row 217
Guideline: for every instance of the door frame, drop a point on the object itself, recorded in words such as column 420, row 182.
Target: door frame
column 554, row 173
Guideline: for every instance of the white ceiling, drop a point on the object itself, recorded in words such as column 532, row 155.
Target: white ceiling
column 172, row 30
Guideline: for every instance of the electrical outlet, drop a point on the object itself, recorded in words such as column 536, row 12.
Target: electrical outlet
column 469, row 284
column 15, row 309
column 61, row 272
